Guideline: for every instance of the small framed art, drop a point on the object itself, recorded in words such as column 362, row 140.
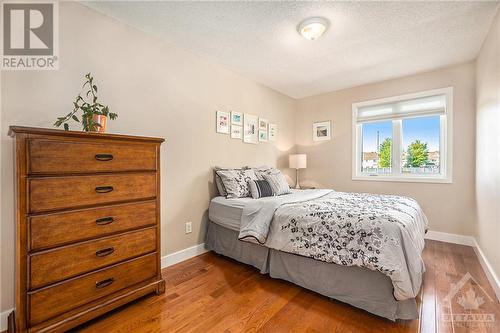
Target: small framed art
column 322, row 131
column 262, row 136
column 236, row 118
column 273, row 132
column 250, row 128
column 263, row 124
column 236, row 132
column 222, row 119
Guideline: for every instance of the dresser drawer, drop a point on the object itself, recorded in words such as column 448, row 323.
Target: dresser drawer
column 53, row 157
column 52, row 301
column 54, row 193
column 62, row 228
column 62, row 263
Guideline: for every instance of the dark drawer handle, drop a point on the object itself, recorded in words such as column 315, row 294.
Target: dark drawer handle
column 104, row 220
column 104, row 283
column 105, row 252
column 103, row 157
column 104, row 189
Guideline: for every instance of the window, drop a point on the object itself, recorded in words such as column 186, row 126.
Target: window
column 404, row 138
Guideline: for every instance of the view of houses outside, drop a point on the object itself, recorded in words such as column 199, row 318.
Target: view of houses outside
column 420, row 146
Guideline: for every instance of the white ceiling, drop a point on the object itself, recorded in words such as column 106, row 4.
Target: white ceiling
column 366, row 41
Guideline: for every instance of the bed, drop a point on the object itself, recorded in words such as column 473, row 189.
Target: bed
column 317, row 238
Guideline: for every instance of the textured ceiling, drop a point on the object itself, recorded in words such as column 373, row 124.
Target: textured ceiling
column 366, row 41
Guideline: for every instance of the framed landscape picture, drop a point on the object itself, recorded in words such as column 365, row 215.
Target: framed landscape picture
column 250, row 129
column 236, row 118
column 262, row 135
column 322, row 131
column 273, row 132
column 236, row 132
column 222, row 119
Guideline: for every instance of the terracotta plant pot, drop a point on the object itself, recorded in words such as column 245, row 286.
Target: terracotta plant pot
column 101, row 120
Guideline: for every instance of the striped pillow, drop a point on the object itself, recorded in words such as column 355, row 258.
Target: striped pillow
column 260, row 189
column 278, row 183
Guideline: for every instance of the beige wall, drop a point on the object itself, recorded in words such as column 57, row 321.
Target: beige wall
column 449, row 207
column 488, row 146
column 157, row 90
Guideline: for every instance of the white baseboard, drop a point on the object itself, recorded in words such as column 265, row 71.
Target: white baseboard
column 469, row 241
column 450, row 238
column 488, row 270
column 3, row 319
column 177, row 257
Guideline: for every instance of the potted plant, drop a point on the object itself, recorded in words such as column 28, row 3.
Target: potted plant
column 94, row 114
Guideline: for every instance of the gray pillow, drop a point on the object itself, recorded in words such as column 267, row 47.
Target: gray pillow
column 218, row 182
column 278, row 182
column 235, row 182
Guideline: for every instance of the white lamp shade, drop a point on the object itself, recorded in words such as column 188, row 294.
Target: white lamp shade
column 297, row 161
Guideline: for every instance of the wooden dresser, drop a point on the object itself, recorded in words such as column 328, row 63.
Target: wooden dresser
column 87, row 225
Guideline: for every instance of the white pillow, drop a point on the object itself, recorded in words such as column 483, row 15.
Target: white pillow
column 235, row 182
column 277, row 181
column 264, row 170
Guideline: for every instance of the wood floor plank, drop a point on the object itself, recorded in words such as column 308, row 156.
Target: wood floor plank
column 211, row 293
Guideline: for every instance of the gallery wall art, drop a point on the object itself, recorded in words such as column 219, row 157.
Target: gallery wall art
column 222, row 119
column 246, row 127
column 273, row 132
column 250, row 128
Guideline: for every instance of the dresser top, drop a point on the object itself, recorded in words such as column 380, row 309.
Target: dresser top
column 13, row 130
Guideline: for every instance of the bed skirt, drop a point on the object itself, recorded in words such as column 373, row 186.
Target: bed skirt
column 360, row 287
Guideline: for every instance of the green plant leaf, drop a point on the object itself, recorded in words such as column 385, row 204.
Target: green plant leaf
column 75, row 118
column 66, row 127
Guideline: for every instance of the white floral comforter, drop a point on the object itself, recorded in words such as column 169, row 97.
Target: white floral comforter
column 379, row 232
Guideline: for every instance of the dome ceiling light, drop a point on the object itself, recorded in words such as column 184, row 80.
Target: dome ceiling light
column 313, row 27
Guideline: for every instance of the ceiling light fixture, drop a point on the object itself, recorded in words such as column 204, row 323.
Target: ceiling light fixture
column 313, row 27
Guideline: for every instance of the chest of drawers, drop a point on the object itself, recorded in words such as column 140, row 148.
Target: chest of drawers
column 87, row 225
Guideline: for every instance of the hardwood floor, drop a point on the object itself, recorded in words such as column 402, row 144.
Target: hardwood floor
column 211, row 293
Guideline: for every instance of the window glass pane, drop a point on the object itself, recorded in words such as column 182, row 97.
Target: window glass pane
column 376, row 147
column 421, row 146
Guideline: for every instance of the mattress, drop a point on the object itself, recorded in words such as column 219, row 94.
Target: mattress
column 227, row 212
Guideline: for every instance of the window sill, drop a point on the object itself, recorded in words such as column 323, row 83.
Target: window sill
column 403, row 179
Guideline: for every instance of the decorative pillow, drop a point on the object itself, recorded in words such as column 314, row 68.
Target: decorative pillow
column 260, row 189
column 278, row 182
column 218, row 180
column 235, row 182
column 264, row 170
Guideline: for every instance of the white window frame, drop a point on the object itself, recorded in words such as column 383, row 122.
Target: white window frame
column 445, row 142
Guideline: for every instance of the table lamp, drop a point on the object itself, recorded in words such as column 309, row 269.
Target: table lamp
column 297, row 161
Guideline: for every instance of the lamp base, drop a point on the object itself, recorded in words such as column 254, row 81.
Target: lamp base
column 297, row 185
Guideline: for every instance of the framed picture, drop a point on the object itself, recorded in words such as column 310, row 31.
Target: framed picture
column 273, row 132
column 262, row 136
column 263, row 124
column 222, row 119
column 250, row 130
column 322, row 131
column 237, row 118
column 236, row 132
